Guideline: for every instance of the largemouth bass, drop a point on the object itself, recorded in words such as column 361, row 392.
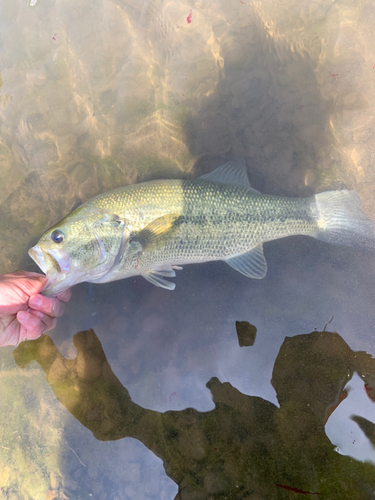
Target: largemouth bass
column 153, row 228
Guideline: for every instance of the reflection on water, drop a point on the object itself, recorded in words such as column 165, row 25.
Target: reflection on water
column 246, row 447
column 100, row 94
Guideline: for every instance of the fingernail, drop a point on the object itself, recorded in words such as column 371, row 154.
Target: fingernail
column 35, row 301
column 22, row 315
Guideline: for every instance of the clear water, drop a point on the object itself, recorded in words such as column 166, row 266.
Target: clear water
column 98, row 94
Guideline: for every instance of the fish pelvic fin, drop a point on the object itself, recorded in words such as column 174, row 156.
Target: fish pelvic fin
column 233, row 172
column 252, row 264
column 157, row 276
column 341, row 221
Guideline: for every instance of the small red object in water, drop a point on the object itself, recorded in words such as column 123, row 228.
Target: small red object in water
column 53, row 38
column 188, row 19
column 335, row 74
column 242, row 2
column 370, row 391
column 171, row 396
column 296, row 490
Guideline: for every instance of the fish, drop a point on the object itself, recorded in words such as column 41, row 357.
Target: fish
column 153, row 228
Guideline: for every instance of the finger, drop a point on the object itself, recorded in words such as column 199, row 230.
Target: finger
column 29, row 274
column 30, row 283
column 49, row 321
column 13, row 334
column 47, row 305
column 33, row 325
column 23, row 274
column 65, row 295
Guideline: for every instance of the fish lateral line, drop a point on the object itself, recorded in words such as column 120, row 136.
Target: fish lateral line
column 218, row 216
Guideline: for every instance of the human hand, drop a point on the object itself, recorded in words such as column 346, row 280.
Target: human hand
column 24, row 313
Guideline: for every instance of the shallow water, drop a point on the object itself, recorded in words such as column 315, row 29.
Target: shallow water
column 101, row 94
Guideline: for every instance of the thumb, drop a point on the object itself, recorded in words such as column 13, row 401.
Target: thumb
column 30, row 283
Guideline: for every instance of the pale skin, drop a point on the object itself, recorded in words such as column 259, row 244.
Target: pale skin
column 25, row 314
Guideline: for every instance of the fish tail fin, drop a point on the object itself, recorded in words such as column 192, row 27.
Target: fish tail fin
column 341, row 221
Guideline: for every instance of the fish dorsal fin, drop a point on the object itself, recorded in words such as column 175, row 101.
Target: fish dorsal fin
column 157, row 276
column 252, row 264
column 233, row 172
column 157, row 228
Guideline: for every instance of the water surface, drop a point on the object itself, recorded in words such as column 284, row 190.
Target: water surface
column 101, row 94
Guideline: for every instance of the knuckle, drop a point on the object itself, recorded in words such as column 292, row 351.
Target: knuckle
column 51, row 310
column 61, row 309
column 36, row 326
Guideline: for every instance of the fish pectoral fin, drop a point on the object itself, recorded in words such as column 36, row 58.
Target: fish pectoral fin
column 157, row 276
column 252, row 264
column 233, row 172
column 156, row 229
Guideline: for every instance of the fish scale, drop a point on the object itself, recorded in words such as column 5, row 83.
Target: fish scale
column 150, row 228
column 212, row 215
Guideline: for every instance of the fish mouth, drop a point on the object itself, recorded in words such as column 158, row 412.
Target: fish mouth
column 37, row 255
column 51, row 262
column 56, row 265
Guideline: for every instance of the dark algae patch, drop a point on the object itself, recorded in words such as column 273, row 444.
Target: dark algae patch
column 246, row 447
column 246, row 333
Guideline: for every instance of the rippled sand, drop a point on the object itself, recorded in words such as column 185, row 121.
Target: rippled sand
column 102, row 94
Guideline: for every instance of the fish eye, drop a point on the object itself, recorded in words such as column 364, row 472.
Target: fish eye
column 57, row 236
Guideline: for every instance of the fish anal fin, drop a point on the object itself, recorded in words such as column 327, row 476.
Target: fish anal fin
column 252, row 264
column 233, row 172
